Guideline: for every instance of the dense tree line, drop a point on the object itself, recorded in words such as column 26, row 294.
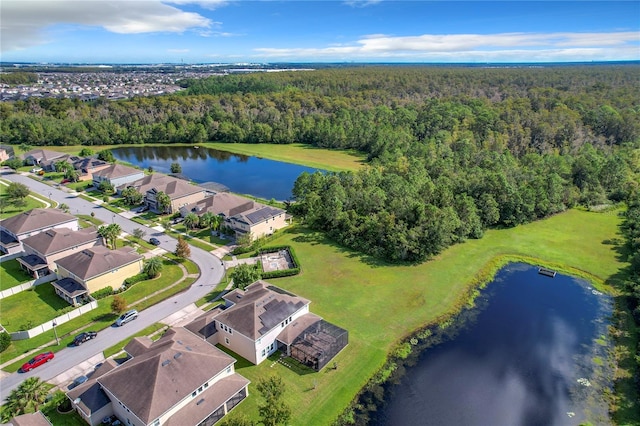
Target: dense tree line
column 453, row 151
column 525, row 110
column 18, row 77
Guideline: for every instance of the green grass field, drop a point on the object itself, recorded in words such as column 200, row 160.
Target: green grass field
column 32, row 202
column 11, row 274
column 379, row 303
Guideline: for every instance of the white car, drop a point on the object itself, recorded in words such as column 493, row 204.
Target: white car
column 126, row 317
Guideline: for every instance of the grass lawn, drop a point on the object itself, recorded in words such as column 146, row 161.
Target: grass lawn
column 11, row 210
column 11, row 274
column 379, row 303
column 297, row 153
column 43, row 302
column 97, row 319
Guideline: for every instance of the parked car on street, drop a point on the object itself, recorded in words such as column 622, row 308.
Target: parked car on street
column 36, row 361
column 126, row 317
column 83, row 337
column 154, row 241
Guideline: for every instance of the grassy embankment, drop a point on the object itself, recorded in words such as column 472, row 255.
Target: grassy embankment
column 380, row 303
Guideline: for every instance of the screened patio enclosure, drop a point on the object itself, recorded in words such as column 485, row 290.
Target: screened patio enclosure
column 318, row 344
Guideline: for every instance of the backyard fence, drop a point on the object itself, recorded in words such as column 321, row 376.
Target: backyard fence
column 27, row 334
column 26, row 286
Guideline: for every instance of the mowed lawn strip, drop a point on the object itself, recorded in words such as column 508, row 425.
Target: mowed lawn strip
column 380, row 303
column 11, row 210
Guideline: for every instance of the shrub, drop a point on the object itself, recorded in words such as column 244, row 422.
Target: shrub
column 102, row 293
column 5, row 341
column 135, row 279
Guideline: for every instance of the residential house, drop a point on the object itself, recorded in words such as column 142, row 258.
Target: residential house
column 26, row 224
column 258, row 321
column 87, row 166
column 43, row 249
column 177, row 380
column 116, row 175
column 37, row 157
column 242, row 215
column 30, row 419
column 93, row 269
column 4, row 154
column 180, row 192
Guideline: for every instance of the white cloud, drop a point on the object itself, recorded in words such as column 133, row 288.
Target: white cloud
column 361, row 3
column 24, row 22
column 178, row 50
column 509, row 47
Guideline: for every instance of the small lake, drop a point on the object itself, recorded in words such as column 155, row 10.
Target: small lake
column 240, row 173
column 532, row 353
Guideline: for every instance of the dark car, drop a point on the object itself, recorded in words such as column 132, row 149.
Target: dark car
column 37, row 361
column 78, row 381
column 154, row 241
column 83, row 337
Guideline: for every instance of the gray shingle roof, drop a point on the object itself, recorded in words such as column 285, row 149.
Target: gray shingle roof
column 173, row 187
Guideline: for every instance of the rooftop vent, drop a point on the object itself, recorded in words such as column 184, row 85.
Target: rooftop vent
column 165, row 363
column 178, row 355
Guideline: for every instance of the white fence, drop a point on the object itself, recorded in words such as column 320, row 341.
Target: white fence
column 6, row 257
column 21, row 335
column 26, row 286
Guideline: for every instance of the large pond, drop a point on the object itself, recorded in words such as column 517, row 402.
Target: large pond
column 240, row 173
column 532, row 353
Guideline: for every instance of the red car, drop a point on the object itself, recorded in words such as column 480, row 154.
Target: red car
column 37, row 361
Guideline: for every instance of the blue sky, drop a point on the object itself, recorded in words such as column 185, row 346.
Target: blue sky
column 223, row 31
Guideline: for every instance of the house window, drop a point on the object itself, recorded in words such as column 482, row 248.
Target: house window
column 156, row 423
column 226, row 340
column 263, row 352
column 193, row 394
column 206, row 385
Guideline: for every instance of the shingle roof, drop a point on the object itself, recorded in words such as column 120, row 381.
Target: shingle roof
column 97, row 260
column 208, row 401
column 59, row 239
column 173, row 187
column 222, row 203
column 171, row 369
column 259, row 309
column 31, row 419
column 70, row 286
column 36, row 219
column 43, row 154
column 258, row 214
column 116, row 171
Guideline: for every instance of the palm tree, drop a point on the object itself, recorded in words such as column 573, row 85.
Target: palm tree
column 72, row 174
column 62, row 166
column 152, row 267
column 210, row 220
column 164, row 202
column 191, row 220
column 110, row 233
column 28, row 397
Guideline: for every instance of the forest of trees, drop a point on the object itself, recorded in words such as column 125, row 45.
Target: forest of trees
column 452, row 151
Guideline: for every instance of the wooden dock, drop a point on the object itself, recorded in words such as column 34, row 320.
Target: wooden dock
column 548, row 272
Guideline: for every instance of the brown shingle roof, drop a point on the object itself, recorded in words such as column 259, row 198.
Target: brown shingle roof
column 259, row 309
column 36, row 219
column 173, row 367
column 116, row 171
column 60, row 239
column 208, row 401
column 222, row 203
column 97, row 260
column 173, row 187
column 31, row 419
column 43, row 154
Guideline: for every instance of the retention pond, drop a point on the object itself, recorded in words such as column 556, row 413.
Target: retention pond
column 533, row 352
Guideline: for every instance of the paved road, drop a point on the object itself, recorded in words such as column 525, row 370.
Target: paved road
column 210, row 266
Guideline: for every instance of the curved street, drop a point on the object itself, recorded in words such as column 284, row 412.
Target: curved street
column 211, row 273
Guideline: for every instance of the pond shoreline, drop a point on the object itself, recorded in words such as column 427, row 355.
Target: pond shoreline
column 374, row 394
